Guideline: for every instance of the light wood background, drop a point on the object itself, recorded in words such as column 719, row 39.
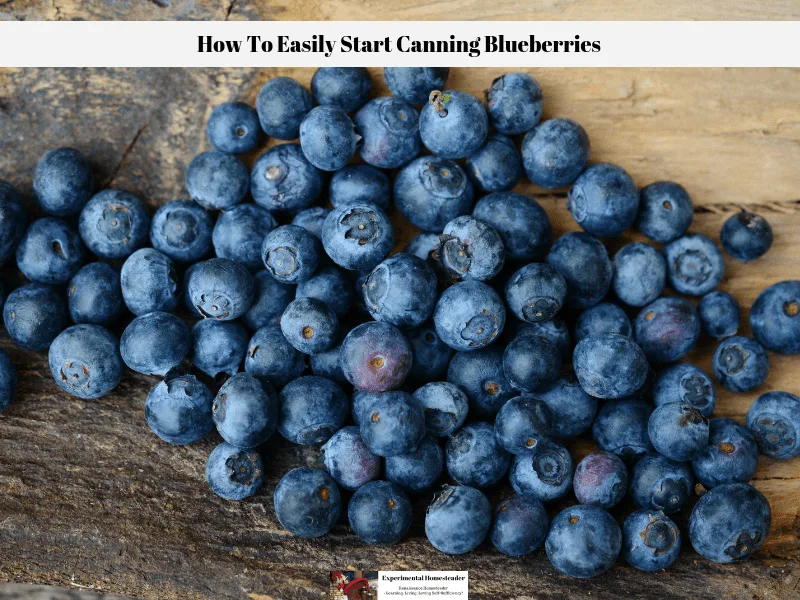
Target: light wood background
column 90, row 499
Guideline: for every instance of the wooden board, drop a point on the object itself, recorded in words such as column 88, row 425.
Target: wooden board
column 90, row 499
column 436, row 10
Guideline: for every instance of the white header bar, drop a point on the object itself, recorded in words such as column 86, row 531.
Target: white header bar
column 400, row 43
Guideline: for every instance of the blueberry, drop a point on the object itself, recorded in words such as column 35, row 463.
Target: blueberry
column 719, row 314
column 360, row 184
column 601, row 479
column 609, row 365
column 270, row 356
column 445, row 407
column 217, row 180
column 536, row 292
column 418, row 470
column 453, row 124
column 348, row 459
column 392, row 423
column 390, row 130
column 604, row 200
column 458, row 519
column 746, row 236
column 149, row 282
column 555, row 152
column 470, row 249
column 221, row 289
column 233, row 127
column 531, row 362
column 13, row 220
column 310, row 325
column 602, row 318
column 401, row 291
column 307, row 502
column 184, row 291
column 522, row 423
column 544, row 472
column 583, row 262
column 688, row 384
column 34, row 315
column 496, row 166
column 650, row 540
column 63, row 182
column 114, row 224
column 573, row 409
column 514, row 103
column 583, row 542
column 234, row 474
column 731, row 455
column 94, row 295
column 155, row 343
column 621, row 427
column 414, row 84
column 50, row 251
column 469, row 315
column 729, row 523
column 331, row 285
column 357, row 236
column 430, row 355
column 282, row 103
column 284, row 181
column 522, row 223
column 380, row 513
column 658, row 483
column 480, row 375
column 740, row 364
column 430, row 192
column 554, row 330
column 239, row 233
column 520, row 525
column 245, row 411
column 270, row 299
column 666, row 211
column 678, row 431
column 181, row 229
column 667, row 329
column 375, row 357
column 178, row 410
column 291, row 253
column 85, row 361
column 640, row 274
column 8, row 380
column 312, row 409
column 218, row 347
column 326, row 364
column 345, row 87
column 775, row 317
column 774, row 420
column 474, row 456
column 694, row 264
column 328, row 138
column 312, row 219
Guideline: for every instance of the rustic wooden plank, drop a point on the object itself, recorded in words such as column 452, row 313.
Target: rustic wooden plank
column 434, row 10
column 42, row 592
column 89, row 497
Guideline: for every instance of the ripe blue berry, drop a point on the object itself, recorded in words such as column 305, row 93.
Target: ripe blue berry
column 666, row 211
column 401, row 290
column 555, row 152
column 667, row 329
column 13, row 220
column 291, row 254
column 245, row 411
column 678, row 431
column 469, row 315
column 233, row 127
column 602, row 318
column 514, row 103
column 178, row 410
column 609, row 365
column 149, row 282
column 375, row 357
column 312, row 409
column 474, row 456
column 640, row 274
column 520, row 525
column 114, row 224
column 50, row 251
column 746, row 236
column 601, row 479
column 85, row 361
column 283, row 180
column 522, row 423
column 650, row 540
column 740, row 364
column 34, row 315
column 217, row 180
column 333, row 286
column 390, row 130
column 775, row 317
column 453, row 124
column 544, row 472
column 380, row 513
column 458, row 519
column 348, row 459
column 536, row 292
column 345, row 87
column 357, row 236
column 328, row 137
column 573, row 409
column 522, row 223
column 181, row 229
column 774, row 419
column 531, row 362
column 694, row 264
column 470, row 249
column 310, row 325
column 731, row 455
column 430, row 355
column 414, row 84
column 583, row 262
column 270, row 356
column 312, row 219
column 221, row 289
column 234, row 474
column 584, row 541
column 270, row 299
column 685, row 383
column 94, row 295
column 282, row 103
column 496, row 166
column 418, row 470
column 445, row 407
column 719, row 313
column 480, row 375
column 659, row 483
column 621, row 427
column 155, row 343
column 307, row 502
column 218, row 347
column 604, row 200
column 359, row 184
column 62, row 182
column 239, row 233
column 392, row 423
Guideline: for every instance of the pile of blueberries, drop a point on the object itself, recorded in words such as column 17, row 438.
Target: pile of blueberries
column 453, row 357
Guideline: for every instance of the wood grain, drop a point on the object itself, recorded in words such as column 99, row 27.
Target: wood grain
column 433, row 10
column 90, row 499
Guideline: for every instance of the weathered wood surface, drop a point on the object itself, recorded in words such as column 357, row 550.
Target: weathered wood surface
column 437, row 10
column 90, row 499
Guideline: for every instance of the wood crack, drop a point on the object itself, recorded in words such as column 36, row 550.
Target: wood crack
column 125, row 154
column 230, row 9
